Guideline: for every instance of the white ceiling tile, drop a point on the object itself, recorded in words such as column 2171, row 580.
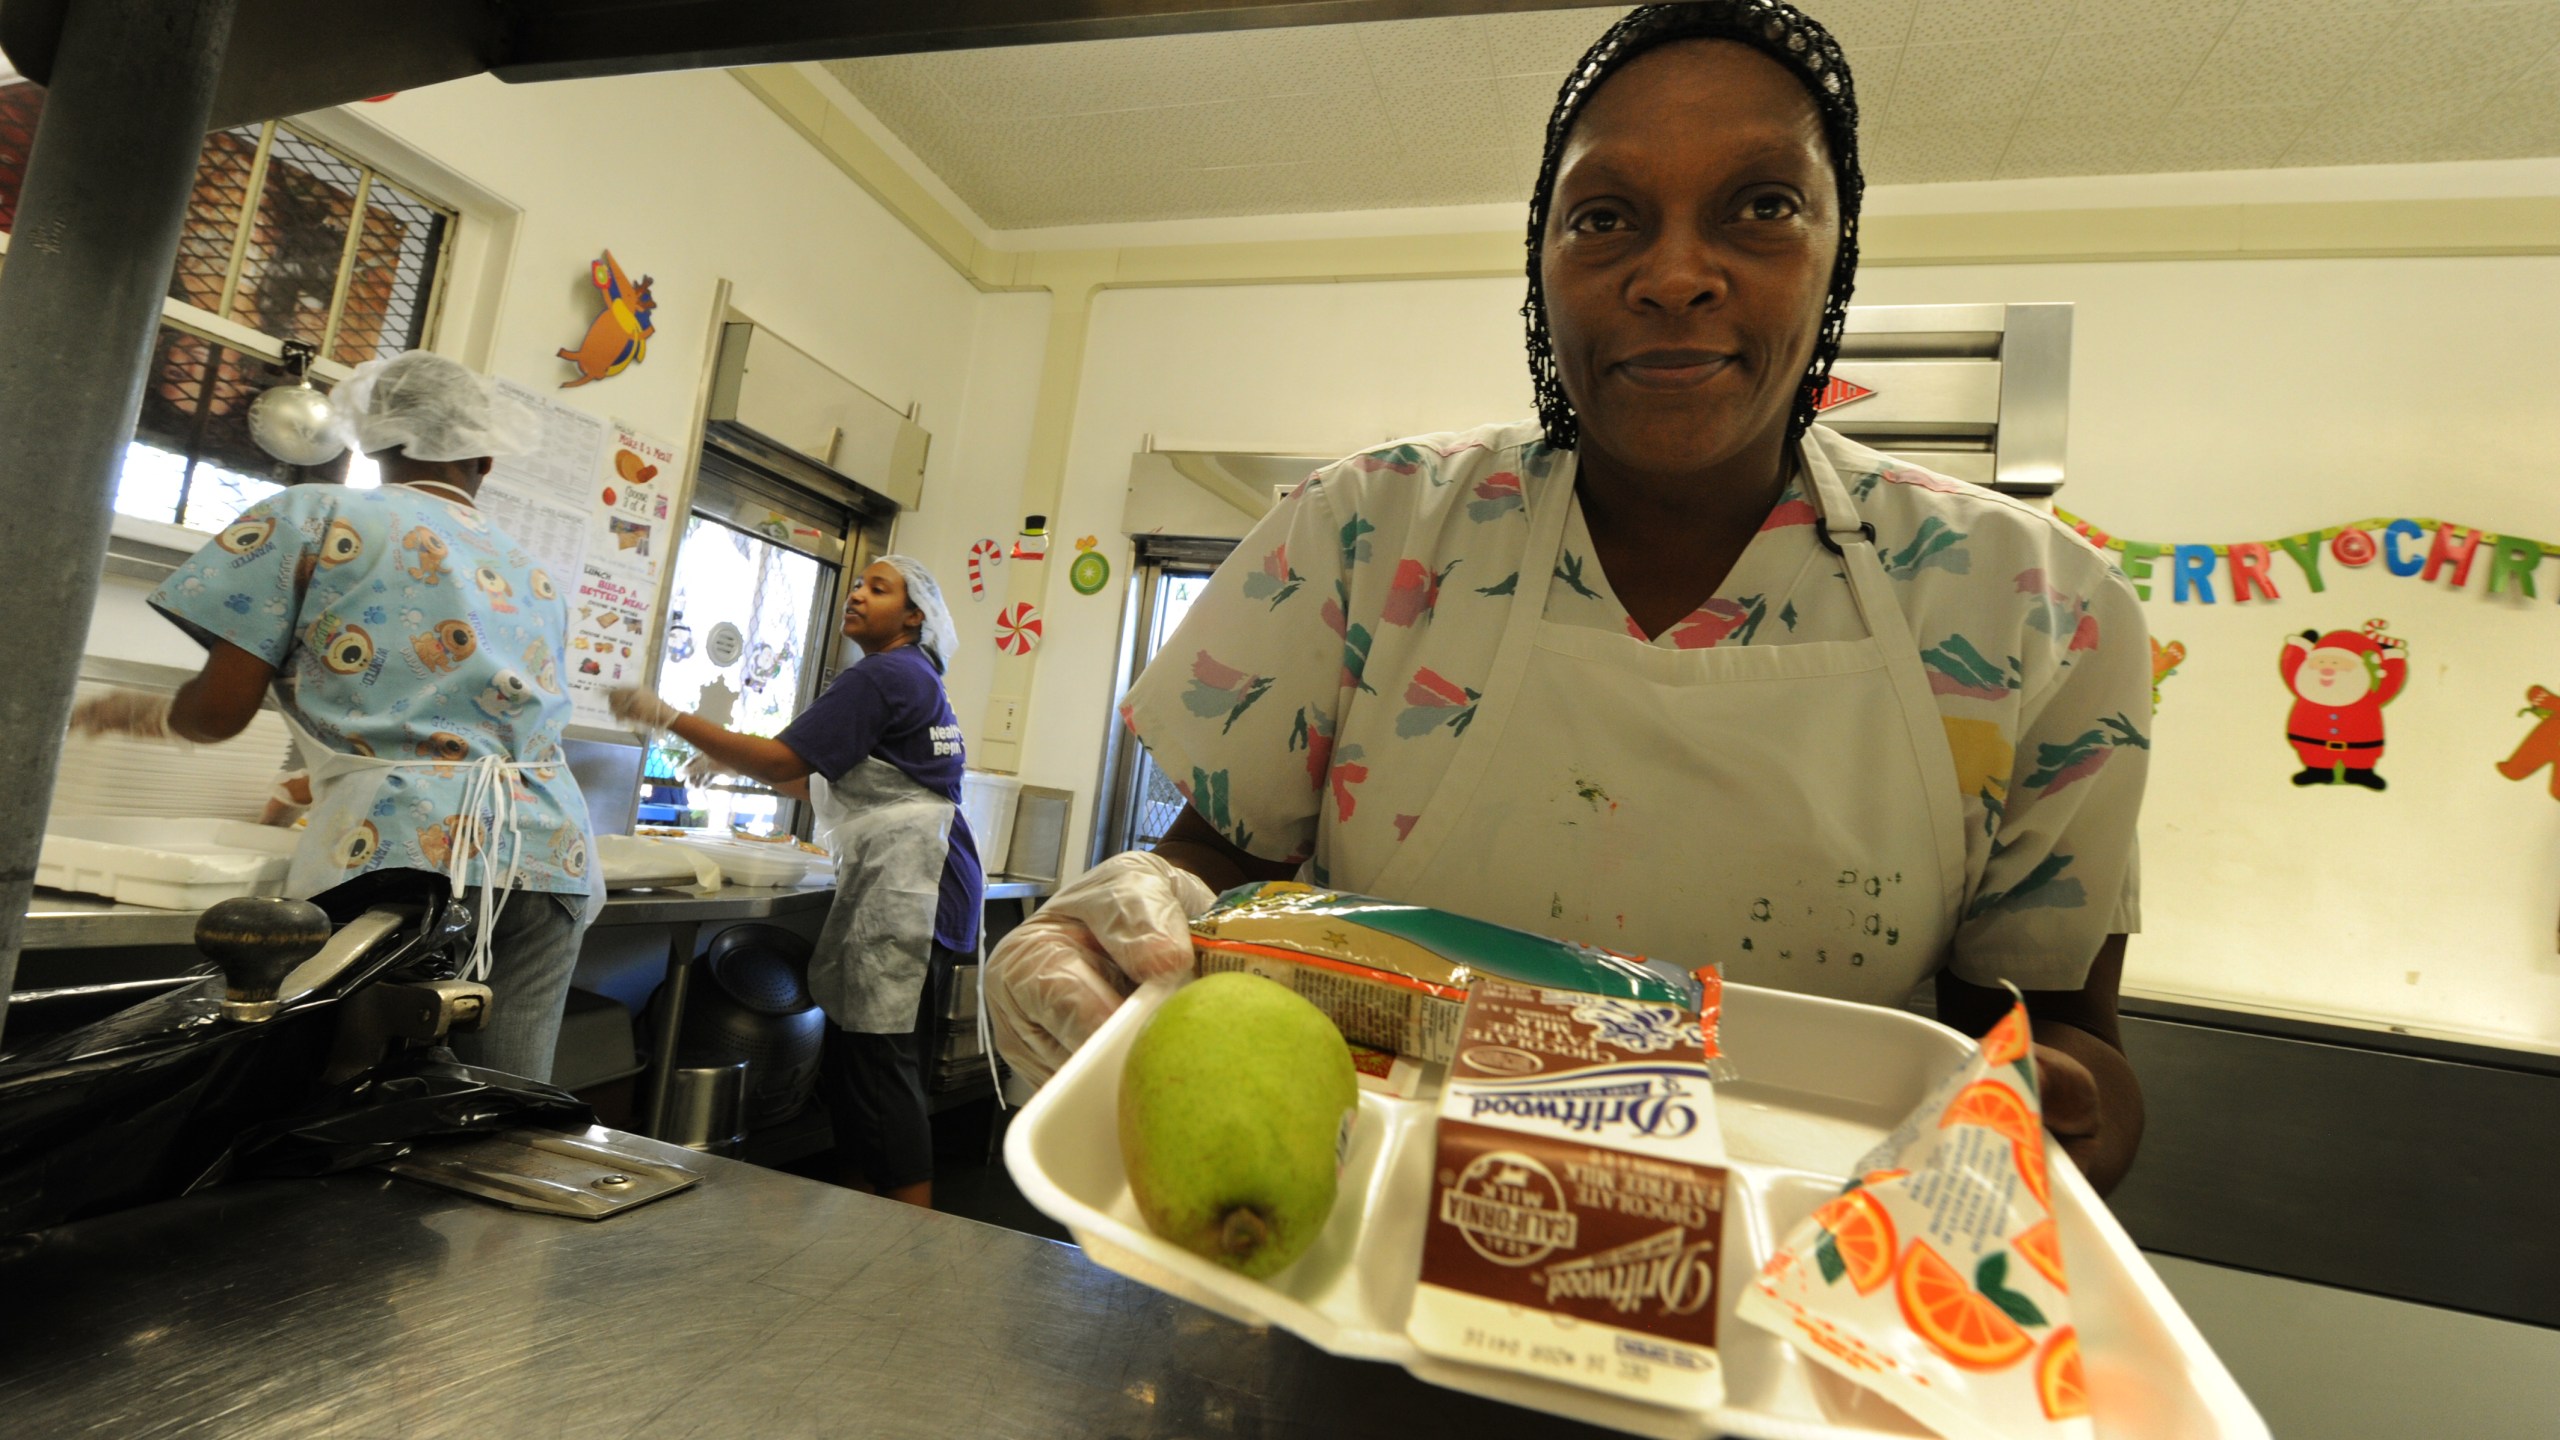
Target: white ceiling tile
column 1087, row 77
column 1941, row 22
column 1872, row 71
column 2073, row 149
column 1406, row 52
column 1294, row 60
column 1508, row 111
column 1985, row 82
column 1929, row 154
column 1544, row 42
column 1864, row 22
column 2437, row 51
column 1473, row 177
column 2120, row 72
column 2102, row 15
column 2300, row 58
column 2263, row 10
column 887, row 86
column 1412, row 113
column 1334, row 127
column 2518, row 127
column 2245, row 139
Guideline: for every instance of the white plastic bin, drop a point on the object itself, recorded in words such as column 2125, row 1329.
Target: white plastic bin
column 988, row 800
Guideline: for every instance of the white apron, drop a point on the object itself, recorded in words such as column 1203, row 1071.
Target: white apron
column 1787, row 810
column 345, row 787
column 890, row 836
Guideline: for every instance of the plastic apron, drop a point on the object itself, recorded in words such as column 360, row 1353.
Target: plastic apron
column 890, row 837
column 345, row 788
column 1790, row 811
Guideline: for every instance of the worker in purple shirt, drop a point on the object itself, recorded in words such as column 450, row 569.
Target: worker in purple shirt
column 879, row 758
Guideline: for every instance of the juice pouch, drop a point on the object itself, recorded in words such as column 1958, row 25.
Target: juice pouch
column 1936, row 1277
column 1577, row 1206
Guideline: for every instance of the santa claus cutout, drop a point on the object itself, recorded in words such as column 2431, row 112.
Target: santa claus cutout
column 2340, row 682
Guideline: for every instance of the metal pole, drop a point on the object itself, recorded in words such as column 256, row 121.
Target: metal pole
column 97, row 232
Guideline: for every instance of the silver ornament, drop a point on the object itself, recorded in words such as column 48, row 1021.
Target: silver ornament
column 296, row 423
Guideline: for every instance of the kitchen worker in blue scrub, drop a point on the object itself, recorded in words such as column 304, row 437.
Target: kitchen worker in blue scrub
column 416, row 653
column 879, row 758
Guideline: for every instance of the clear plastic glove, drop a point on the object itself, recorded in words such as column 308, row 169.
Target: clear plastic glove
column 639, row 707
column 701, row 769
column 290, row 797
column 143, row 714
column 1060, row 974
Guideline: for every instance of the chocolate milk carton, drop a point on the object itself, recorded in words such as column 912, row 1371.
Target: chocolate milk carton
column 1577, row 1209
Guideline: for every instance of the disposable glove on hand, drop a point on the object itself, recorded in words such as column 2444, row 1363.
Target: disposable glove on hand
column 142, row 714
column 290, row 797
column 1060, row 974
column 640, row 708
column 701, row 769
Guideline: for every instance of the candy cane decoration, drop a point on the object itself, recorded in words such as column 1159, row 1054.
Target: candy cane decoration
column 1018, row 628
column 985, row 552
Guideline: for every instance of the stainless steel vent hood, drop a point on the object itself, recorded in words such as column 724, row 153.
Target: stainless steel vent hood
column 1979, row 392
column 776, row 390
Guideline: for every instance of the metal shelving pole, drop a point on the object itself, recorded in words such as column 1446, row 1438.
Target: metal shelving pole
column 96, row 234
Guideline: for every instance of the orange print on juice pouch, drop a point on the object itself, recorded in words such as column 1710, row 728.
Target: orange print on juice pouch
column 1998, row 1108
column 2006, row 1043
column 1966, row 1327
column 2061, row 1387
column 2041, row 1244
column 1858, row 1240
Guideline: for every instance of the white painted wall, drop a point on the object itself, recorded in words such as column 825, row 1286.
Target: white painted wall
column 1305, row 369
column 2212, row 401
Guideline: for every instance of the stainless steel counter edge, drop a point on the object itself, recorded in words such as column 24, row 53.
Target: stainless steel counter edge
column 57, row 921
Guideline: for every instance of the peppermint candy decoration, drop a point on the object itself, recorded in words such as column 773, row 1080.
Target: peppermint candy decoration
column 981, row 555
column 1018, row 628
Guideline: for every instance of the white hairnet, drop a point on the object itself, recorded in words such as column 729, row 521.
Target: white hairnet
column 430, row 408
column 941, row 637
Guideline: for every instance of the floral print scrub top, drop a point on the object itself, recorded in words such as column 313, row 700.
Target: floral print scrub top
column 403, row 627
column 1311, row 701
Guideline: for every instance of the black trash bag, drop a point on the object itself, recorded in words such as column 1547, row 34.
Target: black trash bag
column 410, row 1099
column 142, row 1105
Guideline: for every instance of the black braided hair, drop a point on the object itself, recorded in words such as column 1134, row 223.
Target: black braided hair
column 1784, row 34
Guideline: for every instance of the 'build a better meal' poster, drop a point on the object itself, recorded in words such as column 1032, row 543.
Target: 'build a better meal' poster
column 595, row 501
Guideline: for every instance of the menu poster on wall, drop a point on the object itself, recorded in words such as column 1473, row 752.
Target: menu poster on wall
column 542, row 499
column 627, row 542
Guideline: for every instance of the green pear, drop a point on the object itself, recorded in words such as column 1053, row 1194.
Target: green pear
column 1234, row 1105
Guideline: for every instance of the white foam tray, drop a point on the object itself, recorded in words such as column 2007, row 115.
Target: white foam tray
column 752, row 862
column 630, row 862
column 1821, row 1082
column 169, row 864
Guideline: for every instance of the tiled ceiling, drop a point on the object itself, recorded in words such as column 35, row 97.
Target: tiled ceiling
column 1450, row 112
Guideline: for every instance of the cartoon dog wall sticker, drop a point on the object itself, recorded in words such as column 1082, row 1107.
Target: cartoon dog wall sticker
column 619, row 338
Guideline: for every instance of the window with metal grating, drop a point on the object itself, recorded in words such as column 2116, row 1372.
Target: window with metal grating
column 285, row 238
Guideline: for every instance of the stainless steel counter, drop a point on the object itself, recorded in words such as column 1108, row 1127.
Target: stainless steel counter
column 757, row 1304
column 60, row 921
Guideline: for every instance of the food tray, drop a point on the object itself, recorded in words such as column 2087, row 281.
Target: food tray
column 630, row 862
column 164, row 863
column 759, row 863
column 1820, row 1082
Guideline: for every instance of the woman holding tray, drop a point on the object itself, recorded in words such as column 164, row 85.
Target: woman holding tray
column 1670, row 669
